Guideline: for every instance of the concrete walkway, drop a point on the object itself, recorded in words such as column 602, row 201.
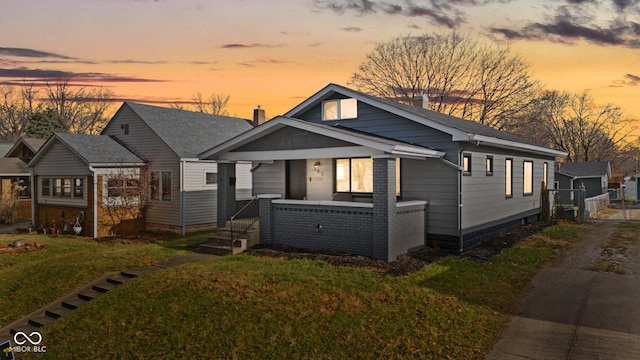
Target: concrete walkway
column 573, row 313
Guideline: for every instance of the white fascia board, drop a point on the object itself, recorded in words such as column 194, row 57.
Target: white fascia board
column 335, row 152
column 116, row 165
column 516, row 145
column 417, row 151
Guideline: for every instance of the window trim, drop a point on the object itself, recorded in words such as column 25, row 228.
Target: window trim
column 508, row 173
column 204, row 180
column 340, row 109
column 467, row 164
column 526, row 181
column 58, row 192
column 545, row 173
column 398, row 192
column 112, row 200
column 489, row 165
column 156, row 193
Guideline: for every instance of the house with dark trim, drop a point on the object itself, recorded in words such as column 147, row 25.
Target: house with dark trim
column 74, row 173
column 347, row 171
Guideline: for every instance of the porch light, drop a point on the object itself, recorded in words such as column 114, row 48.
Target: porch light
column 316, row 167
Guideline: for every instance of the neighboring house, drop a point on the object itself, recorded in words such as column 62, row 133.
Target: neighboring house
column 594, row 176
column 182, row 189
column 346, row 171
column 13, row 168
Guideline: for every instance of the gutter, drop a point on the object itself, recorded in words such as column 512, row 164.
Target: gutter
column 33, row 198
column 460, row 169
column 506, row 144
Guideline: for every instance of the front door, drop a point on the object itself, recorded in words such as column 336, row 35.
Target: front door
column 296, row 186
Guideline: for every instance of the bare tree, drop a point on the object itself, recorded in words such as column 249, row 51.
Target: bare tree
column 215, row 104
column 83, row 109
column 586, row 131
column 127, row 197
column 16, row 110
column 460, row 76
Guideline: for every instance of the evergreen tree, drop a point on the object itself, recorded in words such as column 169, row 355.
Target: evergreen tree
column 43, row 124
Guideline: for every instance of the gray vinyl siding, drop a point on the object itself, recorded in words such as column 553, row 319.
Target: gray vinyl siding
column 435, row 182
column 269, row 178
column 200, row 207
column 484, row 197
column 160, row 157
column 59, row 160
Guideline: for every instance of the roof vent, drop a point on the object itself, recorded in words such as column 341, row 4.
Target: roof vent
column 421, row 101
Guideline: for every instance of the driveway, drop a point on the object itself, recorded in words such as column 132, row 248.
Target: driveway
column 574, row 313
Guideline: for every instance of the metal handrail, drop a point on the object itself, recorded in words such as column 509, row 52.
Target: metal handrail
column 245, row 217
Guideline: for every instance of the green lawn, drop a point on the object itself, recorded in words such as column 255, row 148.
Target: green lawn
column 31, row 280
column 247, row 307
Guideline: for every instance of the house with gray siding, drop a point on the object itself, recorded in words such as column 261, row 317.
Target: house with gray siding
column 594, row 175
column 182, row 187
column 347, row 171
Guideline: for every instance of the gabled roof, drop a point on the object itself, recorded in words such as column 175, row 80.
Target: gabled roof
column 377, row 143
column 95, row 150
column 188, row 133
column 459, row 129
column 33, row 144
column 585, row 169
column 13, row 166
column 4, row 148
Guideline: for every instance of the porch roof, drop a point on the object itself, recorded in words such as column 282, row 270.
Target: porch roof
column 348, row 143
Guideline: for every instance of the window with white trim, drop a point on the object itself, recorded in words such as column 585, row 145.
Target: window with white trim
column 339, row 109
column 210, row 178
column 545, row 173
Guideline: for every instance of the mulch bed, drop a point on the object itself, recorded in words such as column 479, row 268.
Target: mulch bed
column 404, row 264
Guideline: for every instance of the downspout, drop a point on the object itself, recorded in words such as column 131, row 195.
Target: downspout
column 460, row 170
column 95, row 202
column 183, row 225
column 33, row 198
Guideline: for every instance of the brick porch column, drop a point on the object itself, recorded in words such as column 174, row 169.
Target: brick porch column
column 266, row 216
column 226, row 192
column 384, row 206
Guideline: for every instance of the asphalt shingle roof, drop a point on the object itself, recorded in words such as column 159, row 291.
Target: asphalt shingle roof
column 98, row 149
column 596, row 168
column 189, row 133
column 13, row 165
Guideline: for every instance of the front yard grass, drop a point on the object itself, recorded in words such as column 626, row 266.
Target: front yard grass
column 243, row 306
column 31, row 280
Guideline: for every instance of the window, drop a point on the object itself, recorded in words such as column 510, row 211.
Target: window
column 70, row 188
column 161, row 186
column 466, row 164
column 489, row 165
column 545, row 173
column 46, row 187
column 339, row 109
column 210, row 178
column 527, row 168
column 356, row 175
column 508, row 173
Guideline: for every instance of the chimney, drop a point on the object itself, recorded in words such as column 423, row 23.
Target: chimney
column 259, row 116
column 421, row 101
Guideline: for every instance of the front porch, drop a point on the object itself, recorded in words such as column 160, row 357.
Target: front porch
column 325, row 188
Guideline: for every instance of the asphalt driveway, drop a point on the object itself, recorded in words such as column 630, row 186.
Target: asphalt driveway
column 574, row 313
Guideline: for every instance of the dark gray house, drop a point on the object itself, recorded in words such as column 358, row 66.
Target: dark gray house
column 167, row 141
column 346, row 171
column 594, row 176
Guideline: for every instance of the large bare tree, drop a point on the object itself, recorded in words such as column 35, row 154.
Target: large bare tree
column 576, row 124
column 16, row 109
column 460, row 76
column 83, row 108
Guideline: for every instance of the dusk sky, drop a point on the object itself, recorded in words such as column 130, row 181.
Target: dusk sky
column 277, row 53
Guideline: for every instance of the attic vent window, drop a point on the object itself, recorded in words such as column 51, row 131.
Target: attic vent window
column 339, row 109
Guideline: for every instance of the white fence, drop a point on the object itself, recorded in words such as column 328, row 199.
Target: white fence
column 596, row 204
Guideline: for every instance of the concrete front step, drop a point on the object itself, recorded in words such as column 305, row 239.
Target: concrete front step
column 222, row 247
